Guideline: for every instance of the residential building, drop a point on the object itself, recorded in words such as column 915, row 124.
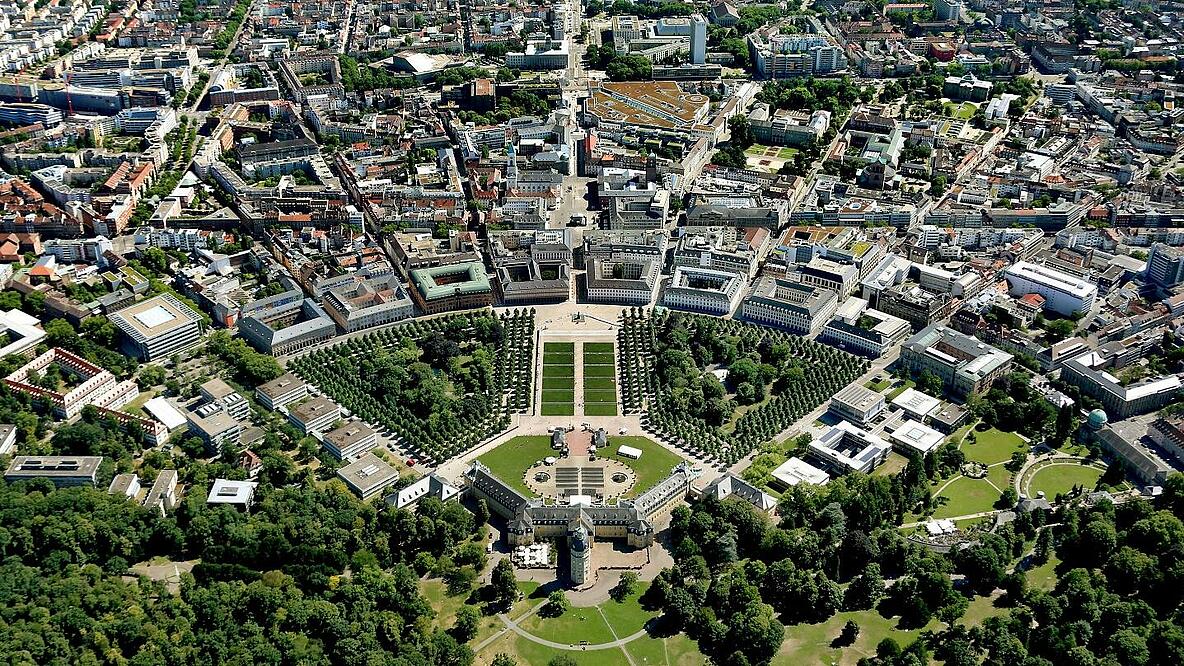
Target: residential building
column 162, row 496
column 158, row 327
column 63, row 471
column 432, row 485
column 730, row 485
column 965, row 365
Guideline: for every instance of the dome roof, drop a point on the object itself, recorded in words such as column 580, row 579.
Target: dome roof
column 1098, row 418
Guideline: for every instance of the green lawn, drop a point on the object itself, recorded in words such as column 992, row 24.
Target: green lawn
column 599, row 383
column 967, row 496
column 555, row 358
column 559, row 382
column 557, row 409
column 1000, row 476
column 627, row 617
column 879, row 386
column 436, row 592
column 599, row 371
column 569, row 347
column 559, row 395
column 992, row 446
column 1044, row 577
column 810, row 643
column 608, row 396
column 654, row 464
column 577, row 624
column 558, row 371
column 599, row 409
column 677, row 650
column 1059, row 479
column 908, row 384
column 787, row 153
column 509, row 461
column 963, row 111
column 892, row 465
column 599, row 347
column 599, row 358
column 524, row 651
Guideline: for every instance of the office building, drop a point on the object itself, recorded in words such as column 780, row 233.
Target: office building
column 27, row 113
column 857, row 404
column 703, row 290
column 827, row 274
column 1165, row 265
column 795, row 470
column 20, row 333
column 1063, row 293
column 239, row 494
column 461, row 286
column 285, row 323
column 965, row 365
column 916, row 404
column 281, row 391
column 861, row 330
column 848, row 448
column 317, row 414
column 947, row 10
column 1090, row 372
column 913, row 437
column 368, row 476
column 126, row 485
column 368, row 302
column 162, row 496
column 349, row 441
column 158, row 327
column 792, row 306
column 63, row 471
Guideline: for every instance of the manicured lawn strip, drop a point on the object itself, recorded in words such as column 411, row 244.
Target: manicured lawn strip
column 598, row 359
column 559, row 395
column 599, row 396
column 559, row 371
column 967, row 496
column 599, row 347
column 1058, row 479
column 599, row 409
column 559, row 382
column 992, row 446
column 569, row 347
column 553, row 358
column 509, row 461
column 599, row 383
column 879, row 386
column 653, row 466
column 558, row 409
column 599, row 371
column 810, row 643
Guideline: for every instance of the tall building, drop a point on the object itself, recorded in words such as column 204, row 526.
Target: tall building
column 698, row 40
column 947, row 10
column 1062, row 292
column 1165, row 266
column 158, row 326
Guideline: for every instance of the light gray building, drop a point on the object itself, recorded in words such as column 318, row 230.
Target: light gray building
column 63, row 471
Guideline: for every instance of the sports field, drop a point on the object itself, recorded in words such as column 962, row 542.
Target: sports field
column 600, row 379
column 559, row 371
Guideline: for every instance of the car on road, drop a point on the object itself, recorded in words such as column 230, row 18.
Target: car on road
column 411, row 462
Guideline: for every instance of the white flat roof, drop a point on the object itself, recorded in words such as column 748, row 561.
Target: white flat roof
column 1053, row 278
column 629, row 451
column 917, row 436
column 154, row 316
column 225, row 491
column 162, row 410
column 795, row 471
column 916, row 402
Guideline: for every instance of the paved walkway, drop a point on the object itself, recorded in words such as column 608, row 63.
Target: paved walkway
column 1023, row 478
